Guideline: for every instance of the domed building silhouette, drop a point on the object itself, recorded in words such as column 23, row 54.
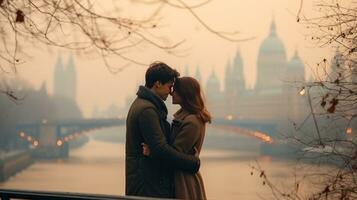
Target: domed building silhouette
column 275, row 96
column 271, row 63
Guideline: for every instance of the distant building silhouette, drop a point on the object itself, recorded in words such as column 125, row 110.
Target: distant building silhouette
column 271, row 63
column 65, row 79
column 293, row 80
column 65, row 89
column 214, row 94
column 72, row 79
column 276, row 94
column 237, row 75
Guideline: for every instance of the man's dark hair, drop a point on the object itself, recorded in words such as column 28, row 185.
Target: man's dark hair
column 159, row 71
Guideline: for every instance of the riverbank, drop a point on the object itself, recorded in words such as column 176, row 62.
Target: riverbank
column 14, row 162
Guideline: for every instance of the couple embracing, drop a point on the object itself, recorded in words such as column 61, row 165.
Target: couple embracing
column 162, row 159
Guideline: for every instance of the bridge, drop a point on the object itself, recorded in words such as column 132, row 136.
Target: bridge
column 263, row 131
column 50, row 139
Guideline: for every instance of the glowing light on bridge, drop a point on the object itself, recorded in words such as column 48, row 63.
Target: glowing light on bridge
column 259, row 135
column 29, row 139
column 349, row 131
column 59, row 143
column 35, row 143
column 263, row 137
column 229, row 117
column 22, row 134
column 66, row 139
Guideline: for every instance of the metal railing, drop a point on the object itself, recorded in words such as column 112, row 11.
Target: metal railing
column 7, row 194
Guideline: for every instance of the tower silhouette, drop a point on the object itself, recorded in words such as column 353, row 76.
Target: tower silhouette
column 65, row 79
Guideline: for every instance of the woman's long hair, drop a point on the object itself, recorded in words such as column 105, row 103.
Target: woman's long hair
column 191, row 95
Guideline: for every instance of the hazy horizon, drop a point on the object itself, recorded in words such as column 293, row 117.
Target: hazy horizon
column 97, row 86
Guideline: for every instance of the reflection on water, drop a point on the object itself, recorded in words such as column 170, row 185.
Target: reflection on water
column 98, row 167
column 94, row 168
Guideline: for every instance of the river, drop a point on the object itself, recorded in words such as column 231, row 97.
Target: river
column 98, row 167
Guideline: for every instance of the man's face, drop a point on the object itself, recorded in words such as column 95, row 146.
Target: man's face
column 163, row 90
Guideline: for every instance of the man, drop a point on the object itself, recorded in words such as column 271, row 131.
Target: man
column 146, row 123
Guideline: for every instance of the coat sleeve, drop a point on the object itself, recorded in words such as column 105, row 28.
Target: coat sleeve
column 153, row 136
column 188, row 135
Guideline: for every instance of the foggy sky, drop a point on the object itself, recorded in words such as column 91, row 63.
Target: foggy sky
column 97, row 86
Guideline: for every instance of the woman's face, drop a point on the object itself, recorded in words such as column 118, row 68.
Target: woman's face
column 176, row 99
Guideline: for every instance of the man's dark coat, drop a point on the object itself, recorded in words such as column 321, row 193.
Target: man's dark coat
column 146, row 123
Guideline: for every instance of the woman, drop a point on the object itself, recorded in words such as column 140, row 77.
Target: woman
column 188, row 131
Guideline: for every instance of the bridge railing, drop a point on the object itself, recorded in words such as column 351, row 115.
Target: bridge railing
column 7, row 194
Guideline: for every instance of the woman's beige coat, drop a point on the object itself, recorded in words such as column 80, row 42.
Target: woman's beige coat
column 188, row 132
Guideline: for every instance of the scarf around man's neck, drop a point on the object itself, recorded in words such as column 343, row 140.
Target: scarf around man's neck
column 146, row 93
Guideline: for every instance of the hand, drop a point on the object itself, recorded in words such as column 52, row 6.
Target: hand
column 146, row 149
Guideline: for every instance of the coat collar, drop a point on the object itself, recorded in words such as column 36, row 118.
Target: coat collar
column 146, row 93
column 181, row 114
